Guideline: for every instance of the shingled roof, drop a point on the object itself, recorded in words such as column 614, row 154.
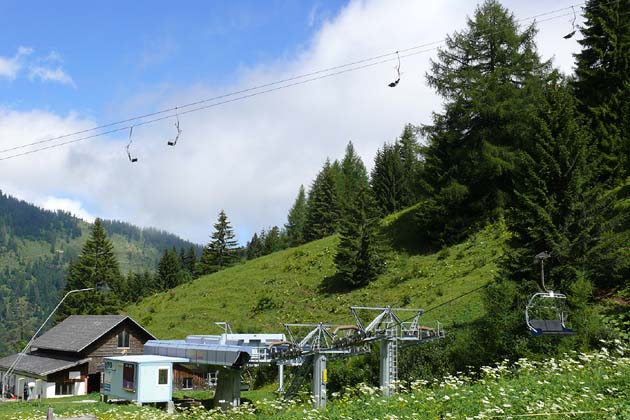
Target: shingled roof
column 77, row 332
column 40, row 365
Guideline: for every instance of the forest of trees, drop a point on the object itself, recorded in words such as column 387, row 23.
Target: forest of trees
column 515, row 140
column 37, row 251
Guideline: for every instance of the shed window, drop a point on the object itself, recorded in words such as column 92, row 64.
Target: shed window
column 163, row 376
column 129, row 376
column 123, row 339
column 64, row 388
column 187, row 383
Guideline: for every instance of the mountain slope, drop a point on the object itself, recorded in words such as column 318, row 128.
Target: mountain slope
column 36, row 246
column 291, row 286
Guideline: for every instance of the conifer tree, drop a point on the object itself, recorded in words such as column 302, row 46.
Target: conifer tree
column 296, row 220
column 169, row 270
column 322, row 206
column 603, row 83
column 491, row 79
column 411, row 166
column 353, row 178
column 387, row 180
column 96, row 267
column 358, row 258
column 556, row 204
column 273, row 241
column 254, row 247
column 221, row 252
column 557, row 208
column 190, row 260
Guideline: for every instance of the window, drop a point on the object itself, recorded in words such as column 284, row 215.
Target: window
column 129, row 376
column 187, row 383
column 64, row 388
column 163, row 376
column 123, row 339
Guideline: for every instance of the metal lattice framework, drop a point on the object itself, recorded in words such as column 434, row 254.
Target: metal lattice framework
column 322, row 340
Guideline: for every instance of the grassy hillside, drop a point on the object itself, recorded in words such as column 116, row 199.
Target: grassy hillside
column 293, row 286
column 577, row 386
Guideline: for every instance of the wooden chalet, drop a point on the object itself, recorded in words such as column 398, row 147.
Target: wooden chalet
column 68, row 358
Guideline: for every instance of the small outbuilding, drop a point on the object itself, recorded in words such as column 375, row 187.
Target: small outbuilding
column 142, row 379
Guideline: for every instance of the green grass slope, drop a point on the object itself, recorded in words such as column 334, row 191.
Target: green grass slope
column 584, row 386
column 290, row 286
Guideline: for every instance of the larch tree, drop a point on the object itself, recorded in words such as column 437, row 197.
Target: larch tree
column 491, row 79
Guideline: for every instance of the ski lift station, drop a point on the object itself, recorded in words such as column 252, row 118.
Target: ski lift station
column 305, row 347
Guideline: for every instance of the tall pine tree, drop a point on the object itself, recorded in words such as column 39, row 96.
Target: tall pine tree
column 353, row 177
column 322, row 206
column 387, row 179
column 96, row 267
column 168, row 273
column 296, row 220
column 491, row 79
column 221, row 252
column 358, row 258
column 603, row 83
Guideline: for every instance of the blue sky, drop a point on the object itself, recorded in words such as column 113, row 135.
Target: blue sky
column 112, row 49
column 70, row 65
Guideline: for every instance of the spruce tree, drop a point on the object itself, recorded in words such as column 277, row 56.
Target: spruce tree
column 96, row 267
column 168, row 272
column 190, row 260
column 491, row 79
column 254, row 247
column 296, row 220
column 322, row 206
column 358, row 258
column 603, row 83
column 411, row 166
column 221, row 252
column 387, row 179
column 354, row 176
column 273, row 241
column 557, row 208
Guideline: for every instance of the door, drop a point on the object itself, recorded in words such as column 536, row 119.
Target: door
column 94, row 383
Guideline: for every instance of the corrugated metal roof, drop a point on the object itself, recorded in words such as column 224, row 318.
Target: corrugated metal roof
column 212, row 354
column 76, row 332
column 39, row 364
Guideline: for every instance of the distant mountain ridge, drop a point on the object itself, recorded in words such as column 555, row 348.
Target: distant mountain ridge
column 36, row 246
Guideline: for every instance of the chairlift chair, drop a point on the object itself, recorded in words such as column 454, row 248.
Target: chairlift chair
column 545, row 312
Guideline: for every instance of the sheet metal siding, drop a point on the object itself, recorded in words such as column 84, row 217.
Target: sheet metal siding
column 116, row 385
column 148, row 389
column 199, row 353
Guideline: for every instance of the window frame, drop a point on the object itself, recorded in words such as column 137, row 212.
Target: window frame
column 188, row 380
column 159, row 371
column 129, row 385
column 123, row 338
column 64, row 386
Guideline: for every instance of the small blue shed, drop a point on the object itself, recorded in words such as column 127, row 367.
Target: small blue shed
column 143, row 379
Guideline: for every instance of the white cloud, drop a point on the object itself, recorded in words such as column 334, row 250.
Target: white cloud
column 66, row 204
column 249, row 157
column 11, row 66
column 46, row 74
column 37, row 67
